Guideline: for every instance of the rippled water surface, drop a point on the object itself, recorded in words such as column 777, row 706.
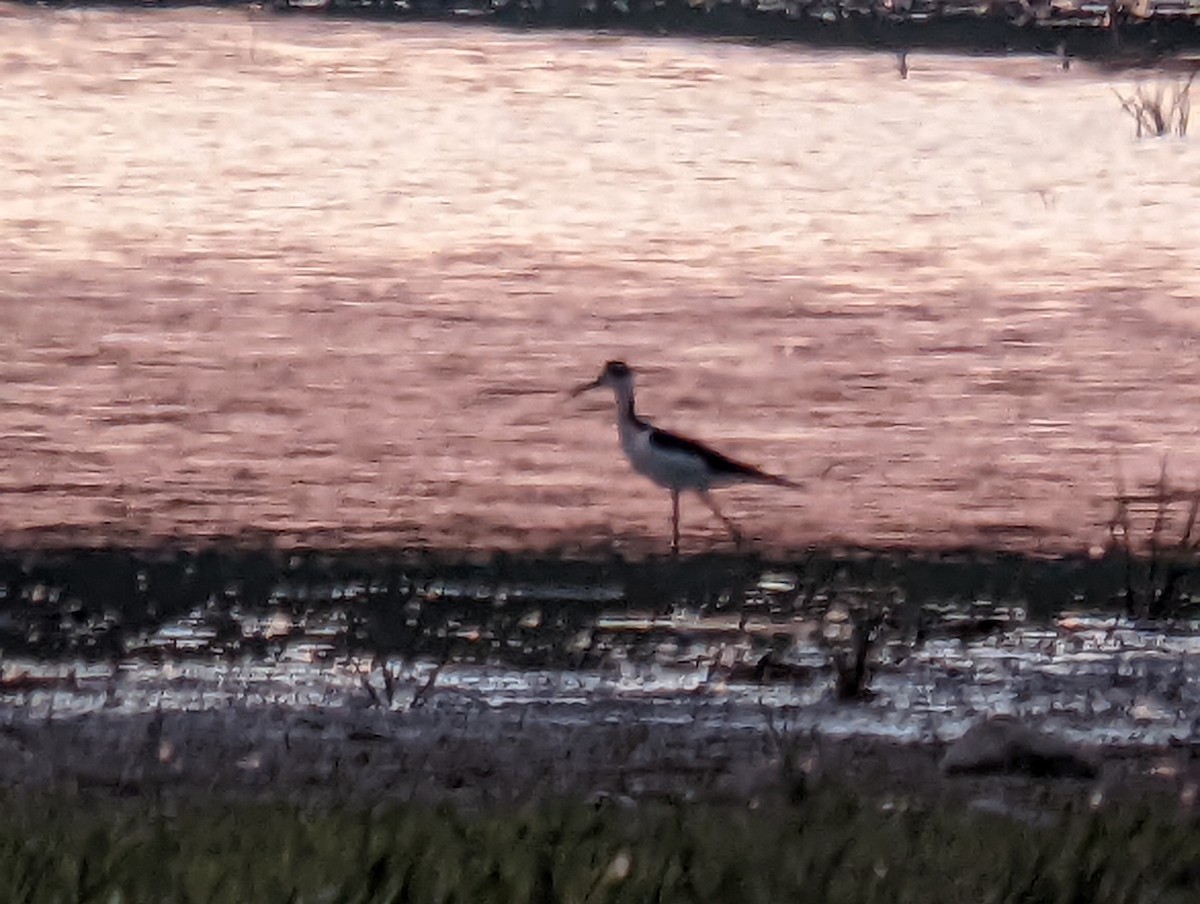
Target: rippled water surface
column 1098, row 681
column 329, row 279
column 758, row 652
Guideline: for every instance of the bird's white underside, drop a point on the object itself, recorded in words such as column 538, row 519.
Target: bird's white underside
column 669, row 468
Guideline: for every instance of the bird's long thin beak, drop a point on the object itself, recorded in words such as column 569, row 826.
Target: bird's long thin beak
column 584, row 387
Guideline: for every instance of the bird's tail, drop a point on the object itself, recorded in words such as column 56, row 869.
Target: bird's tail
column 776, row 480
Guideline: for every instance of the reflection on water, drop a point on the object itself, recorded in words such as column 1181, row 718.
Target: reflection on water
column 757, row 644
column 1101, row 680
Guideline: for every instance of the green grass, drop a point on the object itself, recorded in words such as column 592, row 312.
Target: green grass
column 833, row 847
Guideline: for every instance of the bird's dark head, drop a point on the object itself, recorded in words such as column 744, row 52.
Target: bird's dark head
column 615, row 375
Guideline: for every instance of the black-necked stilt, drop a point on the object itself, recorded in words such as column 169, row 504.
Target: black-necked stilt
column 670, row 460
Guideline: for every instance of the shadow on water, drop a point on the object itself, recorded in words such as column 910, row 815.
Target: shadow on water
column 521, row 612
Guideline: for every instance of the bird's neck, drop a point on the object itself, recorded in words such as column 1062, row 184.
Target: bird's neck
column 627, row 418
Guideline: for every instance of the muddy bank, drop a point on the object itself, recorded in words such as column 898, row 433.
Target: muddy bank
column 478, row 755
column 1121, row 33
column 500, row 760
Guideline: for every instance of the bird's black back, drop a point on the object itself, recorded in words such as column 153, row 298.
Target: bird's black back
column 716, row 462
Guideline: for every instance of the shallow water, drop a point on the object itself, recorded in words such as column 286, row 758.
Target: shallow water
column 328, row 281
column 577, row 655
column 1098, row 683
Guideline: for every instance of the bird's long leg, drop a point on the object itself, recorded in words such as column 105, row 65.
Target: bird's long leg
column 674, row 521
column 729, row 525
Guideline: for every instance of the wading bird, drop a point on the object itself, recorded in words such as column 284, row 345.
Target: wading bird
column 674, row 462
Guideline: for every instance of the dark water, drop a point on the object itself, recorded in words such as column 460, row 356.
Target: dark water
column 743, row 640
